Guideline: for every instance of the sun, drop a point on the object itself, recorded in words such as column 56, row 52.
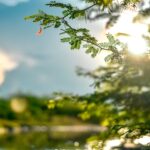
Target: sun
column 137, row 45
column 131, row 33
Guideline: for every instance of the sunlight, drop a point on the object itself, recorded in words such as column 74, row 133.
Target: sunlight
column 112, row 143
column 131, row 33
column 145, row 140
column 136, row 45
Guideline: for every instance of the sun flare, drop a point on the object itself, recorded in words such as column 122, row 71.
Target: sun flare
column 136, row 45
column 131, row 33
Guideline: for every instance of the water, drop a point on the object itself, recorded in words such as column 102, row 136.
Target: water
column 44, row 141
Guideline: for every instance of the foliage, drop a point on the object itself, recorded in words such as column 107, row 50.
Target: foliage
column 37, row 111
column 124, row 94
column 121, row 99
column 78, row 37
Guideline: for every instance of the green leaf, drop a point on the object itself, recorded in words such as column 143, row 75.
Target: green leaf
column 30, row 17
column 57, row 24
column 65, row 39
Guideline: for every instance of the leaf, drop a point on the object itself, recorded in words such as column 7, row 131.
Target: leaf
column 60, row 5
column 121, row 34
column 41, row 12
column 109, row 57
column 30, row 17
column 51, row 104
column 65, row 39
column 85, row 115
column 57, row 24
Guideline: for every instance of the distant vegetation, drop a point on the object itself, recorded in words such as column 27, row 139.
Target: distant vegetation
column 32, row 110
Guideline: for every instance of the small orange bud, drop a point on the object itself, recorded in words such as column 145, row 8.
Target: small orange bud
column 40, row 31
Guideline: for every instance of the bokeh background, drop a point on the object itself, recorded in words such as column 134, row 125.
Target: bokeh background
column 32, row 67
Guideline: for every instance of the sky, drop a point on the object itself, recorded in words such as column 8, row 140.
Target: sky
column 42, row 65
column 38, row 64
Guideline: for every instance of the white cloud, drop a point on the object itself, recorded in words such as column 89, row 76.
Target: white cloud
column 6, row 64
column 24, row 59
column 12, row 2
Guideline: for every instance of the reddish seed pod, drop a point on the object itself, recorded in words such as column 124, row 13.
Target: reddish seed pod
column 40, row 31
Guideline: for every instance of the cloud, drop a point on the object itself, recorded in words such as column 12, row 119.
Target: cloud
column 24, row 59
column 12, row 2
column 6, row 64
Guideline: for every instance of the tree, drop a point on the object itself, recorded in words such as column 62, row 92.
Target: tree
column 122, row 88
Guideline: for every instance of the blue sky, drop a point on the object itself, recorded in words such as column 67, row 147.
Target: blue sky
column 37, row 64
